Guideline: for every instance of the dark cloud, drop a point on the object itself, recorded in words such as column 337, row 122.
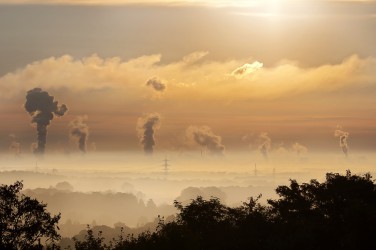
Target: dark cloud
column 157, row 84
column 205, row 137
column 146, row 127
column 80, row 130
column 42, row 107
column 342, row 140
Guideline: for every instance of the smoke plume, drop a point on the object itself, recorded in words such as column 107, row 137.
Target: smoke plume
column 205, row 137
column 265, row 144
column 80, row 130
column 146, row 127
column 14, row 146
column 299, row 149
column 157, row 84
column 42, row 107
column 342, row 140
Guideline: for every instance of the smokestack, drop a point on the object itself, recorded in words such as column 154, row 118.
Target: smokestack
column 342, row 140
column 205, row 137
column 80, row 130
column 42, row 107
column 146, row 127
column 265, row 144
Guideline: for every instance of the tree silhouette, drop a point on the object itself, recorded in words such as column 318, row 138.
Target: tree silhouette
column 90, row 242
column 339, row 213
column 24, row 221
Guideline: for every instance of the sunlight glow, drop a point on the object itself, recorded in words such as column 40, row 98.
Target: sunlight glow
column 215, row 3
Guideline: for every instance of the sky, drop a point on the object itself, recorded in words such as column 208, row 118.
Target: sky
column 218, row 76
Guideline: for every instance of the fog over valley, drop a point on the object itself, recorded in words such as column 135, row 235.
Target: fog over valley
column 133, row 189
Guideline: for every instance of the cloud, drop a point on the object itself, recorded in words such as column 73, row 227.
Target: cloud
column 247, row 69
column 209, row 80
column 156, row 84
column 205, row 137
column 194, row 57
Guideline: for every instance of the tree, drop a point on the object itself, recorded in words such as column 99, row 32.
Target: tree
column 90, row 242
column 339, row 213
column 24, row 221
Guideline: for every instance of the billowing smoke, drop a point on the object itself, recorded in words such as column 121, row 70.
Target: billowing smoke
column 14, row 146
column 146, row 127
column 157, row 84
column 299, row 149
column 80, row 130
column 265, row 144
column 205, row 137
column 342, row 140
column 42, row 107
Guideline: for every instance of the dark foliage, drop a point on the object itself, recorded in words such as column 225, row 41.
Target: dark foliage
column 24, row 221
column 339, row 213
column 90, row 242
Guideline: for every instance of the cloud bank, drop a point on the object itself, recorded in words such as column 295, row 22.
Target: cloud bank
column 212, row 80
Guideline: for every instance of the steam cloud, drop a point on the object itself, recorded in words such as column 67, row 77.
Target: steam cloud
column 299, row 149
column 146, row 127
column 157, row 84
column 205, row 137
column 42, row 107
column 14, row 146
column 80, row 130
column 342, row 140
column 265, row 144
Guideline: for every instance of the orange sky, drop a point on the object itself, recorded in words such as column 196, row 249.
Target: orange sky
column 296, row 71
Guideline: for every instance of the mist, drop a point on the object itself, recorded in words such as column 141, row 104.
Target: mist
column 133, row 189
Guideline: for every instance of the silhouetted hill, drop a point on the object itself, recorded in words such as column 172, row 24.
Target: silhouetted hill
column 104, row 208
